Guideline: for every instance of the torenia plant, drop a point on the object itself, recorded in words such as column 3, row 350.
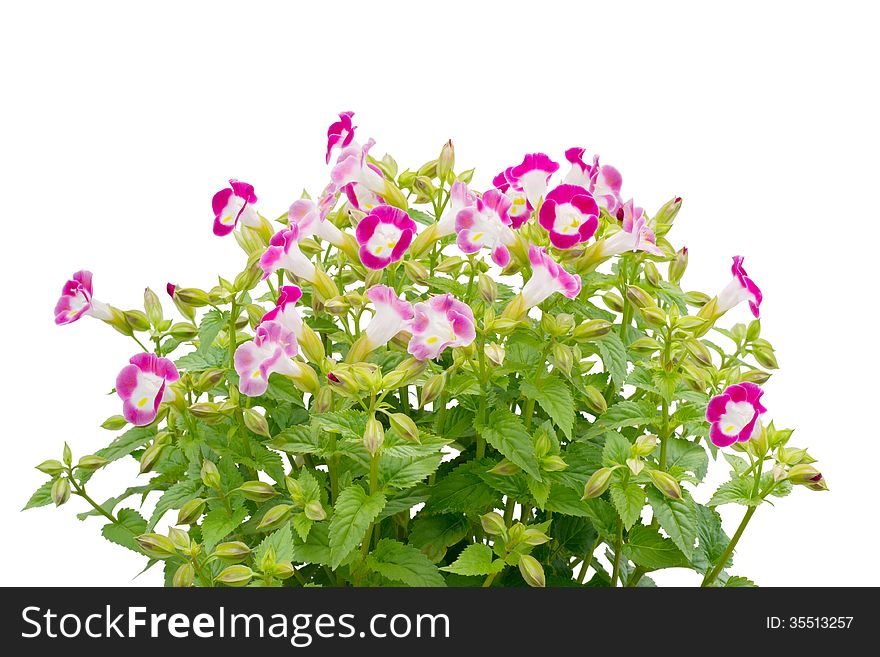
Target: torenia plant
column 412, row 382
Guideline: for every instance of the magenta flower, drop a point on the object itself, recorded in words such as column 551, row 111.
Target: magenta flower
column 602, row 181
column 384, row 235
column 361, row 198
column 76, row 300
column 440, row 322
column 486, row 224
column 234, row 204
column 570, row 215
column 270, row 351
column 340, row 133
column 311, row 217
column 580, row 172
column 460, row 197
column 170, row 288
column 735, row 414
column 285, row 312
column 391, row 316
column 548, row 276
column 283, row 253
column 352, row 166
column 532, row 176
column 741, row 288
column 634, row 235
column 143, row 385
column 520, row 208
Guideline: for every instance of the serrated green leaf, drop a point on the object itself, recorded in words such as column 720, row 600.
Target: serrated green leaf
column 711, row 539
column 648, row 549
column 316, row 548
column 300, row 439
column 348, row 424
column 540, row 490
column 218, row 523
column 406, row 471
column 403, row 563
column 739, row 582
column 614, row 357
column 506, row 433
column 303, row 525
column 131, row 524
column 463, row 489
column 687, row 456
column 355, row 510
column 678, row 518
column 212, row 323
column 476, row 559
column 41, row 497
column 433, row 534
column 554, row 396
column 628, row 500
column 622, row 414
column 174, row 498
column 735, row 491
column 281, row 540
column 616, row 450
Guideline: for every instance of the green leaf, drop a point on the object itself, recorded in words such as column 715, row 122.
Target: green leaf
column 212, row 323
column 648, row 549
column 464, row 490
column 554, row 396
column 506, row 433
column 735, row 491
column 476, row 559
column 355, row 510
column 712, row 541
column 615, row 450
column 738, row 463
column 403, row 563
column 174, row 498
column 404, row 501
column 739, row 582
column 302, row 525
column 678, row 518
column 421, row 217
column 686, row 456
column 217, row 524
column 131, row 524
column 41, row 497
column 281, row 540
column 315, row 549
column 300, row 439
column 406, row 471
column 613, row 357
column 432, row 534
column 349, row 424
column 628, row 500
column 686, row 413
column 127, row 443
column 540, row 490
column 197, row 362
column 623, row 414
column 572, row 536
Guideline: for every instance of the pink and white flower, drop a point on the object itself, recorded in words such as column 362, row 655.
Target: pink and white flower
column 143, row 386
column 580, row 172
column 284, row 253
column 735, row 414
column 76, row 300
column 285, row 311
column 391, row 315
column 741, row 288
column 234, row 204
column 361, row 198
column 548, row 276
column 532, row 176
column 340, row 133
column 635, row 234
column 602, row 181
column 311, row 217
column 352, row 166
column 570, row 214
column 384, row 235
column 520, row 208
column 271, row 350
column 440, row 322
column 460, row 197
column 486, row 224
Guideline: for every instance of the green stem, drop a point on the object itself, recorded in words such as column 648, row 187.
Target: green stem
column 81, row 491
column 481, row 411
column 637, row 574
column 588, row 559
column 528, row 412
column 664, row 433
column 508, row 511
column 618, row 545
column 712, row 574
column 134, row 337
column 489, row 579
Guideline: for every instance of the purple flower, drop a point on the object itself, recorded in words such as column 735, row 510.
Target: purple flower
column 741, row 288
column 735, row 414
column 440, row 322
column 570, row 215
column 635, row 234
column 486, row 224
column 283, row 253
column 143, row 385
column 548, row 276
column 270, row 351
column 532, row 176
column 384, row 235
column 76, row 300
column 340, row 133
column 285, row 312
column 234, row 204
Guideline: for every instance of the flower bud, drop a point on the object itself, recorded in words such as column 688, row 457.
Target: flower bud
column 493, row 524
column 184, row 576
column 790, row 456
column 534, row 537
column 136, row 320
column 210, row 475
column 156, row 546
column 495, row 352
column 281, row 570
column 248, row 278
column 763, row 353
column 595, row 400
column 66, row 455
column 323, row 401
column 665, row 483
column 114, row 423
column 613, row 302
column 505, row 468
column 52, row 467
column 424, row 187
column 60, row 491
column 341, row 378
column 275, row 517
column 368, row 376
column 306, row 380
column 257, row 491
column 209, row 379
column 549, row 325
column 697, row 299
column 183, row 331
column 804, row 474
column 598, row 483
column 466, row 176
column 404, row 426
column 433, row 387
column 446, row 161
column 639, row 298
column 324, row 286
column 416, row 271
column 150, row 456
column 693, row 324
column 635, row 465
column 153, row 307
column 678, row 265
column 553, row 463
column 314, row 511
column 207, row 411
column 591, row 330
column 180, row 539
column 755, row 376
column 233, row 552
column 238, row 575
column 531, row 571
column 487, row 288
column 698, row 350
column 644, row 445
column 645, row 344
column 296, row 491
column 653, row 316
column 666, row 215
column 311, row 344
column 374, row 435
column 191, row 511
column 506, row 325
column 255, row 421
column 651, row 274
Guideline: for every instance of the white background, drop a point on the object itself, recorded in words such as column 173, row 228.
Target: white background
column 119, row 123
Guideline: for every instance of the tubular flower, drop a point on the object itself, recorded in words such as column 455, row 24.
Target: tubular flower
column 548, row 276
column 352, row 166
column 735, row 414
column 391, row 315
column 570, row 215
column 532, row 176
column 234, row 204
column 270, row 351
column 311, row 218
column 340, row 133
column 635, row 234
column 602, row 181
column 384, row 235
column 580, row 171
column 285, row 312
column 143, row 385
column 361, row 198
column 520, row 208
column 76, row 300
column 284, row 253
column 440, row 322
column 460, row 197
column 486, row 224
column 741, row 288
